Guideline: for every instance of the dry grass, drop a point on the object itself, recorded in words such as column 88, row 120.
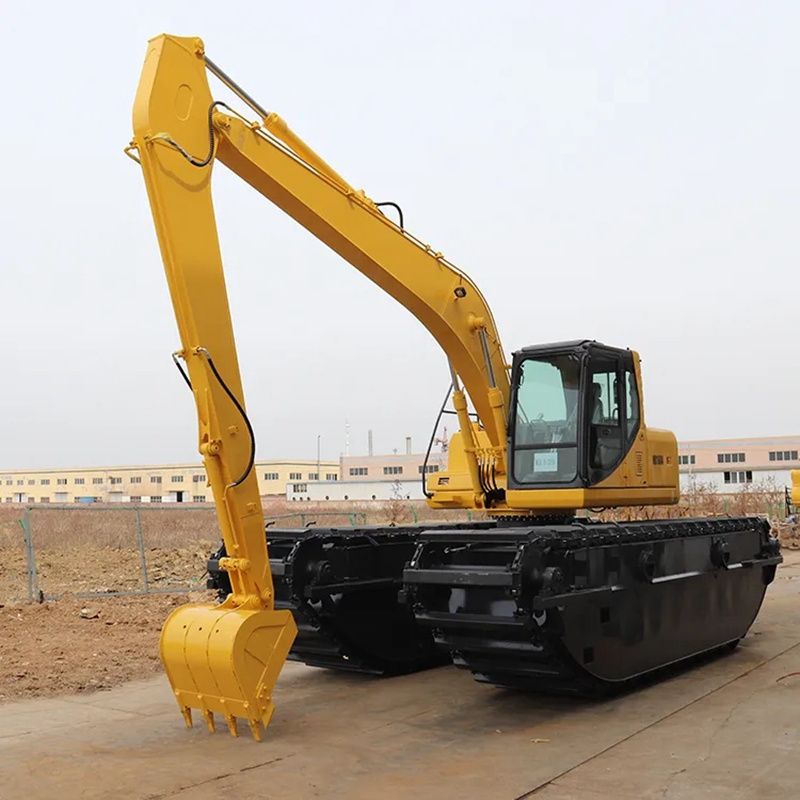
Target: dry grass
column 764, row 499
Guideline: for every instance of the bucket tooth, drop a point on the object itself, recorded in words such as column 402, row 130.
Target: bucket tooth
column 255, row 727
column 232, row 725
column 187, row 716
column 208, row 716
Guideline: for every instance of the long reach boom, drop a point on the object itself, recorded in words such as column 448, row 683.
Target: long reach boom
column 179, row 133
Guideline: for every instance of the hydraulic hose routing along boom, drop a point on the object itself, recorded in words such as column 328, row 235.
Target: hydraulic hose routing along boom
column 534, row 597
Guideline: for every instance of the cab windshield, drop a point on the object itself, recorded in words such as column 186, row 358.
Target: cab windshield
column 545, row 446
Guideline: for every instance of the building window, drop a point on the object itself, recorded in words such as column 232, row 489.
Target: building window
column 299, row 487
column 730, row 458
column 177, row 478
column 155, row 479
column 31, row 482
column 738, row 477
column 331, row 476
column 44, row 482
column 358, row 470
column 198, row 478
column 783, row 455
column 79, row 481
column 199, row 498
column 136, row 479
column 295, row 476
column 116, row 480
column 44, row 499
column 97, row 481
column 155, row 499
column 313, row 476
column 136, row 499
column 270, row 476
column 9, row 483
column 61, row 481
column 429, row 468
column 392, row 470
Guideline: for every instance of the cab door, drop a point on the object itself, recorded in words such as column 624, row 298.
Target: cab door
column 612, row 411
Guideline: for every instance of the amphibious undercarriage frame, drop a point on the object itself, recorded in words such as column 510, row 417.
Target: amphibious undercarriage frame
column 587, row 607
column 581, row 607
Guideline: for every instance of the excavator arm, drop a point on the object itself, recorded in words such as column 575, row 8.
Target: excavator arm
column 180, row 131
column 226, row 659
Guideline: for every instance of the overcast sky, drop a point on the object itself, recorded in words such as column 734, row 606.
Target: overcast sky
column 624, row 171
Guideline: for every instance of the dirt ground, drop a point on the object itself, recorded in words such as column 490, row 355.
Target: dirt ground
column 72, row 646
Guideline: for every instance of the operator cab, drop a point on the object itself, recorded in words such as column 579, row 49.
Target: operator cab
column 575, row 413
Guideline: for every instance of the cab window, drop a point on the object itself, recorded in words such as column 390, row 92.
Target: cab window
column 545, row 437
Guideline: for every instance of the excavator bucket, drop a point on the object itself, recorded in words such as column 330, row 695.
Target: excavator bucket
column 226, row 661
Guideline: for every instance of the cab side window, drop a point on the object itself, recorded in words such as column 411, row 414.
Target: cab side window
column 632, row 414
column 605, row 417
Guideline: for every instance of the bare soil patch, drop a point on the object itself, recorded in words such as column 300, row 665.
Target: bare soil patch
column 71, row 646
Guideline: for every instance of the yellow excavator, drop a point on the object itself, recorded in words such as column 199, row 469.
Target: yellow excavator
column 539, row 595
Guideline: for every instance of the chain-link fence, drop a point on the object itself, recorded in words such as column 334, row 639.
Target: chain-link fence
column 50, row 551
column 47, row 552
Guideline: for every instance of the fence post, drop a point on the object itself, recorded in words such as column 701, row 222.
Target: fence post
column 141, row 549
column 30, row 557
column 28, row 574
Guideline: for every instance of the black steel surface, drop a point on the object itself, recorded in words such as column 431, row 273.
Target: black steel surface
column 588, row 607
